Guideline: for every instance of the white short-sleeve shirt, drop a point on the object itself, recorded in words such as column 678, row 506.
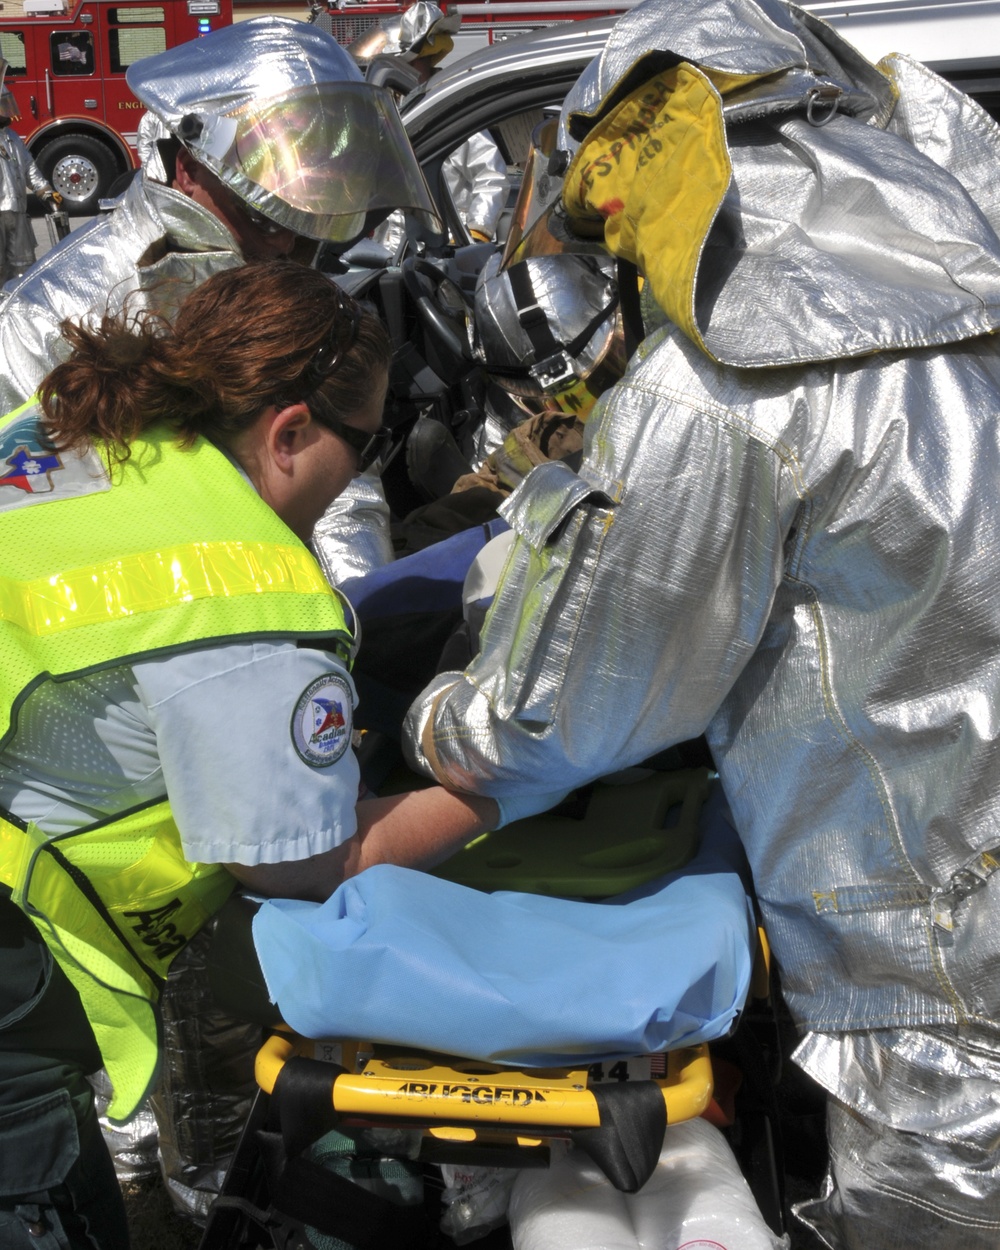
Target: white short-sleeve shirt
column 251, row 742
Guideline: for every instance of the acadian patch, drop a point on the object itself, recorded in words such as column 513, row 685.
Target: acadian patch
column 321, row 722
column 31, row 471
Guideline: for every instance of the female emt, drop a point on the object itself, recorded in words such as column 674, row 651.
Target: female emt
column 175, row 692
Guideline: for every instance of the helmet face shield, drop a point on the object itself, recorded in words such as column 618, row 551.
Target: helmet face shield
column 422, row 30
column 281, row 114
column 379, row 41
column 319, row 159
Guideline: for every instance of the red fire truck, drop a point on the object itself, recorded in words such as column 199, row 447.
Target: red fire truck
column 66, row 66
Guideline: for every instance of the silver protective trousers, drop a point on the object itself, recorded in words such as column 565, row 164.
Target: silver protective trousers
column 17, row 245
column 892, row 1190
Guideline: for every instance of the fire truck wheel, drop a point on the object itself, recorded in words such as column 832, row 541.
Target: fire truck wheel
column 80, row 168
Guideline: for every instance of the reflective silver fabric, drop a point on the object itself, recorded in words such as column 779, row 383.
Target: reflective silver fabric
column 895, row 1191
column 572, row 291
column 17, row 246
column 148, row 133
column 420, row 20
column 915, row 1119
column 154, row 247
column 795, row 51
column 403, row 36
column 352, row 536
column 8, row 104
column 869, row 245
column 476, row 177
column 18, row 172
column 794, row 560
column 939, row 1081
column 236, row 66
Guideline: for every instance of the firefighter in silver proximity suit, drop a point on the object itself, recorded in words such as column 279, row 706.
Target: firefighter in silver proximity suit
column 353, row 537
column 239, row 190
column 18, row 173
column 553, row 366
column 281, row 146
column 782, row 535
column 148, row 134
column 476, row 172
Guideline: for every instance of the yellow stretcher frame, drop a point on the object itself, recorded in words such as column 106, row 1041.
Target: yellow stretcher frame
column 458, row 1099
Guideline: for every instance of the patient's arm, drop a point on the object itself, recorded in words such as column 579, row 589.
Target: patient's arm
column 416, row 830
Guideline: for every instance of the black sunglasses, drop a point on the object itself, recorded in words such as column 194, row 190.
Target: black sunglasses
column 370, row 447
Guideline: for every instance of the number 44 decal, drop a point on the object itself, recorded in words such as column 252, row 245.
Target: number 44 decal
column 637, row 1069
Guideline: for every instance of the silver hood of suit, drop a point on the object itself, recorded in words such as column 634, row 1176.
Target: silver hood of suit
column 876, row 230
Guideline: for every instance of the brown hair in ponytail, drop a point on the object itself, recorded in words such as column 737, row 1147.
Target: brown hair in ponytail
column 244, row 339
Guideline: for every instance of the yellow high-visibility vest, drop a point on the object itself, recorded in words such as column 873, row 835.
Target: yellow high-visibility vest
column 170, row 551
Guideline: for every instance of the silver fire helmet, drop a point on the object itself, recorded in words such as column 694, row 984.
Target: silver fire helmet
column 548, row 329
column 423, row 30
column 280, row 113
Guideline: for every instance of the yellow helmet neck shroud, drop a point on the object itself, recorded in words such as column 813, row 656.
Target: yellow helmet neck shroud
column 651, row 177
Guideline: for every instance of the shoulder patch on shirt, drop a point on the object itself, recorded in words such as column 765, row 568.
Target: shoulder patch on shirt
column 321, row 722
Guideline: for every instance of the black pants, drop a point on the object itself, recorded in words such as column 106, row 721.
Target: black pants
column 58, row 1189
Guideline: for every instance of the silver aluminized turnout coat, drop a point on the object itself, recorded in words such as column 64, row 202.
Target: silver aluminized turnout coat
column 154, row 246
column 476, row 175
column 785, row 530
column 18, row 172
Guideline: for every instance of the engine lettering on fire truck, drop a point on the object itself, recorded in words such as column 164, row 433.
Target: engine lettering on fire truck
column 478, row 1095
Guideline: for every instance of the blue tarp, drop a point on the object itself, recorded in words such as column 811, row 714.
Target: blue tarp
column 401, row 957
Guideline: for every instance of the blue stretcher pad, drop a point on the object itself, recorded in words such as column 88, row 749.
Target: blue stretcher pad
column 430, row 580
column 397, row 956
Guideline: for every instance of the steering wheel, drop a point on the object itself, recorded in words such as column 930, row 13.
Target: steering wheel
column 439, row 305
